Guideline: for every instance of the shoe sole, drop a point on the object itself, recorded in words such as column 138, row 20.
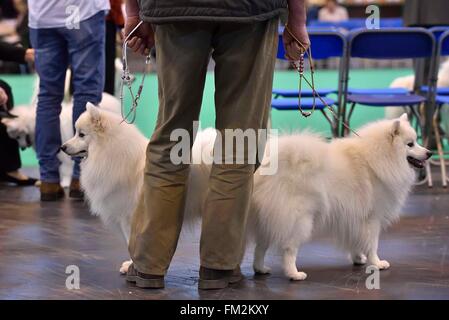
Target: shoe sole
column 51, row 197
column 76, row 195
column 219, row 283
column 146, row 283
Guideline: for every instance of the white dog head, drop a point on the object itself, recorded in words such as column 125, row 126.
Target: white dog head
column 405, row 137
column 91, row 125
column 23, row 127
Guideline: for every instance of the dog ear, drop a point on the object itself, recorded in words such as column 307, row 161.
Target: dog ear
column 396, row 128
column 93, row 111
column 404, row 117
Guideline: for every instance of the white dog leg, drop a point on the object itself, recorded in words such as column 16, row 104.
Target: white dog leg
column 259, row 256
column 124, row 267
column 290, row 269
column 65, row 169
column 372, row 257
column 125, row 228
column 358, row 258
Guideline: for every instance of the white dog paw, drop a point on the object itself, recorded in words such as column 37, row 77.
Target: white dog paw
column 297, row 276
column 262, row 270
column 125, row 266
column 359, row 259
column 381, row 264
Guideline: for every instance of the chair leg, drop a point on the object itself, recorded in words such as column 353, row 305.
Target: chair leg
column 436, row 130
column 332, row 123
column 419, row 125
column 351, row 110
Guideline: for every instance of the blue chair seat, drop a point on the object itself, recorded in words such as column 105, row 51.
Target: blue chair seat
column 306, row 103
column 293, row 93
column 442, row 99
column 444, row 91
column 386, row 100
column 383, row 91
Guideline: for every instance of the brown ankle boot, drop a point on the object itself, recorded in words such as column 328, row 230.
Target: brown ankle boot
column 51, row 191
column 211, row 279
column 75, row 190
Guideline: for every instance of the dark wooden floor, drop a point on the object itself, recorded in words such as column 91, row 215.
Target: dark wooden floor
column 38, row 240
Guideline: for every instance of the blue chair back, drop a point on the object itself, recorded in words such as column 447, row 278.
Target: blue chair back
column 391, row 43
column 324, row 44
column 443, row 44
column 438, row 31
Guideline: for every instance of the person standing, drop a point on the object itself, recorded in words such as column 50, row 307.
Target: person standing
column 114, row 22
column 65, row 33
column 242, row 36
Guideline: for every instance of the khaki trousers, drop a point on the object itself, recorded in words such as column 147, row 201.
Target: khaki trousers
column 245, row 56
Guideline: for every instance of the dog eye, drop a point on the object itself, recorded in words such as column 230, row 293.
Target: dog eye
column 411, row 144
column 81, row 135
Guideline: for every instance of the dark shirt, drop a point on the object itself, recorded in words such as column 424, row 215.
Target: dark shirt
column 156, row 11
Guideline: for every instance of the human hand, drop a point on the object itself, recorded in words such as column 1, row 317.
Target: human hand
column 293, row 49
column 29, row 55
column 3, row 97
column 142, row 40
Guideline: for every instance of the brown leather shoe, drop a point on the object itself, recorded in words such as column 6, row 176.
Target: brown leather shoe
column 143, row 280
column 51, row 191
column 75, row 190
column 211, row 279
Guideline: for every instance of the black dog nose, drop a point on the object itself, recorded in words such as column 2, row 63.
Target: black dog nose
column 429, row 154
column 63, row 148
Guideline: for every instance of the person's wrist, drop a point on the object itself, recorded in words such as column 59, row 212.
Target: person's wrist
column 297, row 22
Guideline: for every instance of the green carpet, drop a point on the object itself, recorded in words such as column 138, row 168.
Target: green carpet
column 286, row 121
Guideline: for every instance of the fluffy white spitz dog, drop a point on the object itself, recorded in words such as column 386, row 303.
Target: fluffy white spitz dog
column 23, row 129
column 350, row 188
column 113, row 168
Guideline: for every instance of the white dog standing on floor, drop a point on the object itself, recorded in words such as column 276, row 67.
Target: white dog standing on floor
column 350, row 188
column 112, row 170
column 23, row 129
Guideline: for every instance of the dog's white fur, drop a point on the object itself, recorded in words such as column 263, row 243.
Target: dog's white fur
column 113, row 169
column 23, row 129
column 350, row 189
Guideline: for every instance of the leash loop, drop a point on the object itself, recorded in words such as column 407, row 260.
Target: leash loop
column 126, row 80
column 299, row 67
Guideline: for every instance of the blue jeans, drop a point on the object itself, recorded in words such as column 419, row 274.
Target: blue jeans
column 56, row 49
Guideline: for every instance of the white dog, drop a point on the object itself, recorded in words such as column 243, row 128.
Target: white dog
column 23, row 129
column 113, row 168
column 350, row 188
column 408, row 82
column 374, row 174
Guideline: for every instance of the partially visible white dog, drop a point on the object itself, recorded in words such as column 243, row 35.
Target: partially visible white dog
column 408, row 82
column 112, row 170
column 351, row 189
column 23, row 129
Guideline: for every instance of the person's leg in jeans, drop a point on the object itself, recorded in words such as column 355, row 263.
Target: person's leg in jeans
column 245, row 56
column 87, row 59
column 183, row 51
column 51, row 62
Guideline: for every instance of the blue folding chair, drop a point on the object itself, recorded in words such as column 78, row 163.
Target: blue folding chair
column 391, row 43
column 437, row 33
column 324, row 44
column 440, row 100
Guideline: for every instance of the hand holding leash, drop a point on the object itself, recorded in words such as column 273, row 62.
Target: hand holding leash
column 299, row 50
column 141, row 45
